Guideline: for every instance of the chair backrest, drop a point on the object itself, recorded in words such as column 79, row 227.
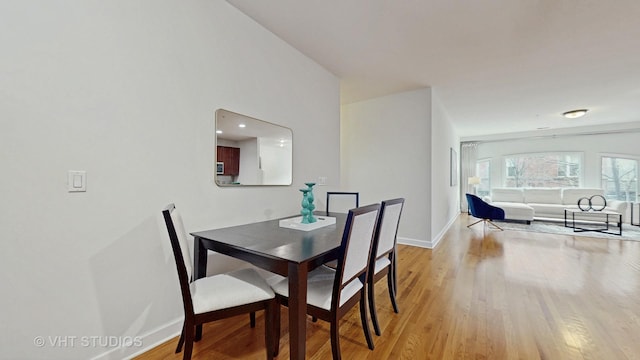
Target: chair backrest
column 471, row 202
column 482, row 210
column 342, row 201
column 355, row 249
column 178, row 238
column 387, row 230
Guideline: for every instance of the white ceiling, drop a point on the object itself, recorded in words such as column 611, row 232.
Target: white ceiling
column 229, row 124
column 497, row 66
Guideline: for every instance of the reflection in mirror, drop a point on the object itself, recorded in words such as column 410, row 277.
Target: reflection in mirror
column 251, row 151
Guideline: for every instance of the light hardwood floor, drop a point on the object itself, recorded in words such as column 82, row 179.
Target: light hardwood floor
column 501, row 295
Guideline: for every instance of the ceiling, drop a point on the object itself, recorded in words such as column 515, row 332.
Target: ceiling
column 228, row 125
column 497, row 66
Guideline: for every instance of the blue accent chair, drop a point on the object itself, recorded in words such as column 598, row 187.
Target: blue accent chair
column 483, row 211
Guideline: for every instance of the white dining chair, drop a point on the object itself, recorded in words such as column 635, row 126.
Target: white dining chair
column 383, row 259
column 219, row 296
column 342, row 201
column 331, row 293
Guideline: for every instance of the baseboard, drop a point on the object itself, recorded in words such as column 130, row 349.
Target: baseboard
column 149, row 341
column 442, row 232
column 415, row 242
column 429, row 244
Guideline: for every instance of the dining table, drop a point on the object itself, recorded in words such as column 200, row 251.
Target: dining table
column 285, row 251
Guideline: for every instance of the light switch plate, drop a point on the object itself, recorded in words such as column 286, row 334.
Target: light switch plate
column 77, row 181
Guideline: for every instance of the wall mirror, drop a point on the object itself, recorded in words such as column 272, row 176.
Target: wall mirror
column 251, row 151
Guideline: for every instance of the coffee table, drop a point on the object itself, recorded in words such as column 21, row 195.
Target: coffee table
column 592, row 220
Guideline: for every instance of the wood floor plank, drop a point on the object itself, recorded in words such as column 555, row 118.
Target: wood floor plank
column 479, row 295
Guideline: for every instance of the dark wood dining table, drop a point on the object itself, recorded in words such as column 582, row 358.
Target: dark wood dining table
column 284, row 251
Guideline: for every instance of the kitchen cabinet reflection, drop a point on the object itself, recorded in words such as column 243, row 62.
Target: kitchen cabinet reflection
column 251, row 152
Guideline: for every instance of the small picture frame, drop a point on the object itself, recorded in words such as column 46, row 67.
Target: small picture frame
column 219, row 168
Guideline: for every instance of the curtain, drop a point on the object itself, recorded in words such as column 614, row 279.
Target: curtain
column 468, row 158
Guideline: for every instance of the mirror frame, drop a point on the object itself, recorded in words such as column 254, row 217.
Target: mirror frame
column 272, row 137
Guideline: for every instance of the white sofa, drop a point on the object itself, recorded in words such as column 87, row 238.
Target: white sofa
column 529, row 203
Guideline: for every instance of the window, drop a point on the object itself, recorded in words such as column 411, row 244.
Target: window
column 543, row 170
column 483, row 171
column 620, row 178
column 567, row 168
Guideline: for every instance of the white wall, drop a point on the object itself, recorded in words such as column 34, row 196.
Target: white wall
column 249, row 172
column 445, row 199
column 127, row 91
column 274, row 169
column 386, row 153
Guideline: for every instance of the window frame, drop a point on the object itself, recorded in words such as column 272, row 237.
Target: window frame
column 483, row 180
column 622, row 157
column 509, row 175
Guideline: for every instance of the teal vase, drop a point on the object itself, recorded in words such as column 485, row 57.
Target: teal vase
column 305, row 206
column 310, row 199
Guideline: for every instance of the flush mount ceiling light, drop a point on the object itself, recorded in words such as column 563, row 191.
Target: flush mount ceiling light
column 575, row 113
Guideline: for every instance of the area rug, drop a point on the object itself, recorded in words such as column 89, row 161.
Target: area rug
column 629, row 232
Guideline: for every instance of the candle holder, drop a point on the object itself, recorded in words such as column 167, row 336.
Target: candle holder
column 307, row 204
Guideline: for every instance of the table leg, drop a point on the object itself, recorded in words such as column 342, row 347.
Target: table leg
column 199, row 259
column 620, row 224
column 297, row 310
column 199, row 271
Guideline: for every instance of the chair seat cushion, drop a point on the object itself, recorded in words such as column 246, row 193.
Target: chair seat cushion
column 515, row 211
column 228, row 290
column 381, row 264
column 320, row 287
